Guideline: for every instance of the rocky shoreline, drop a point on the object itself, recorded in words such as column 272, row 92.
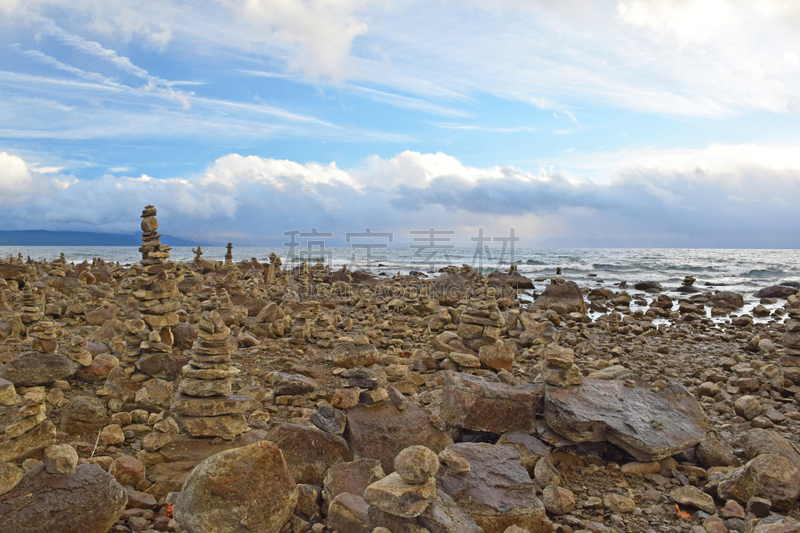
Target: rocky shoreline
column 248, row 397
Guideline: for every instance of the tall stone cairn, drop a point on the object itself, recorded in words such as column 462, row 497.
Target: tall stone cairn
column 153, row 252
column 204, row 406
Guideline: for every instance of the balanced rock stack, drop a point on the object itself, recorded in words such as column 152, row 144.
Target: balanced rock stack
column 4, row 307
column 45, row 336
column 204, row 405
column 28, row 430
column 229, row 254
column 408, row 491
column 481, row 323
column 76, row 350
column 158, row 304
column 560, row 368
column 32, row 306
column 153, row 252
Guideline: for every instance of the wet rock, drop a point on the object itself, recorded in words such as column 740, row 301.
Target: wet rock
column 775, row 291
column 243, row 490
column 382, row 431
column 475, row 403
column 88, row 500
column 641, row 422
column 561, row 296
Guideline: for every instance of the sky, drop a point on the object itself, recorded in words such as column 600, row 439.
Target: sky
column 574, row 123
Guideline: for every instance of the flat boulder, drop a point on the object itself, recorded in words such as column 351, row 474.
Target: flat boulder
column 497, row 491
column 242, row 490
column 475, row 403
column 381, row 431
column 87, row 500
column 30, row 369
column 640, row 422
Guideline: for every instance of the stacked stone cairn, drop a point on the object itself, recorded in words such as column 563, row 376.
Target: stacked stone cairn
column 4, row 307
column 32, row 307
column 560, row 369
column 153, row 252
column 406, row 493
column 791, row 341
column 158, row 304
column 28, row 430
column 481, row 323
column 273, row 269
column 76, row 350
column 229, row 254
column 204, row 406
column 45, row 336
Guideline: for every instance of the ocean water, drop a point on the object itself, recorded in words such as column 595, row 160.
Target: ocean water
column 742, row 271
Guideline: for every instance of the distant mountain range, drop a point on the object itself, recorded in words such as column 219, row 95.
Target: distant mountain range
column 40, row 237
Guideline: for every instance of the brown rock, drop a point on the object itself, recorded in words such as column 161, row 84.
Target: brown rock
column 308, row 451
column 242, row 490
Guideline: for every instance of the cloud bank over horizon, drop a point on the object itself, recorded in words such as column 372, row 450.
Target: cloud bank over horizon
column 253, row 200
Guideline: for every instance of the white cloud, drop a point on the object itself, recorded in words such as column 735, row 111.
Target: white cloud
column 666, row 196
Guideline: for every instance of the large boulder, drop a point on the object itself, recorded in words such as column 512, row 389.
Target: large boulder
column 30, row 369
column 497, row 491
column 772, row 472
column 640, row 422
column 381, row 431
column 726, row 300
column 308, row 451
column 562, row 296
column 776, row 291
column 88, row 500
column 475, row 403
column 243, row 490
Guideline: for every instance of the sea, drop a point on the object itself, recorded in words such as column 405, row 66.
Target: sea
column 740, row 270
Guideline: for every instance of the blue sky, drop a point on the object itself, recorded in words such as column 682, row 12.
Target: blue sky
column 606, row 123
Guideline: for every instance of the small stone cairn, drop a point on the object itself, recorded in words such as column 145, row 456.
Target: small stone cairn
column 153, row 252
column 204, row 405
column 480, row 323
column 408, row 491
column 560, row 369
column 28, row 429
column 76, row 350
